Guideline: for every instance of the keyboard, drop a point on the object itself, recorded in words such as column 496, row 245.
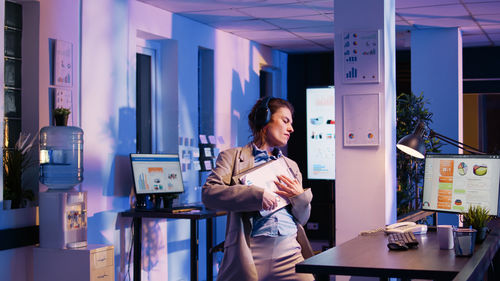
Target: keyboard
column 402, row 241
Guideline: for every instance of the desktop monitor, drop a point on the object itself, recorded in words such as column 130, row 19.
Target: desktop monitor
column 453, row 182
column 156, row 174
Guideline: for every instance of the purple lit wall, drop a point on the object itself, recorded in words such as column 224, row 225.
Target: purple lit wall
column 111, row 32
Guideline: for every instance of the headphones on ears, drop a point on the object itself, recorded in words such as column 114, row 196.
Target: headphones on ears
column 263, row 113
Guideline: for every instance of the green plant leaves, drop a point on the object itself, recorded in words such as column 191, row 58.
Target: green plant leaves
column 410, row 110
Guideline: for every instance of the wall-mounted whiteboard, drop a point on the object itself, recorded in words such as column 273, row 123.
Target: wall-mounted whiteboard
column 320, row 114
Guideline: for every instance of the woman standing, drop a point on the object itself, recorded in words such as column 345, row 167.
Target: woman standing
column 261, row 247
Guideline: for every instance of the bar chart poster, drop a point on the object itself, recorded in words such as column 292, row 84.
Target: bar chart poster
column 361, row 57
column 320, row 114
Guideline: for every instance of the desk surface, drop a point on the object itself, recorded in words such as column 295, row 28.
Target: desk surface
column 197, row 214
column 369, row 256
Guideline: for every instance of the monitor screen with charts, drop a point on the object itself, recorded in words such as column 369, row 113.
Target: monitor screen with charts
column 156, row 173
column 453, row 182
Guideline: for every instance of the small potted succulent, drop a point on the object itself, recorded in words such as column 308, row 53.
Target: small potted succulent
column 478, row 218
column 61, row 116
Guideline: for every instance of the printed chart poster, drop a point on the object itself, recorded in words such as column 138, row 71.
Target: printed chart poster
column 63, row 65
column 361, row 57
column 320, row 114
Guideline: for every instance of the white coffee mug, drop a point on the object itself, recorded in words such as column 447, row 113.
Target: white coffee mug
column 445, row 236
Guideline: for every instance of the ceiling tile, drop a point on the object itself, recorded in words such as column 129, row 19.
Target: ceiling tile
column 216, row 16
column 323, row 41
column 402, row 4
column 434, row 11
column 489, row 8
column 494, row 28
column 267, row 34
column 471, row 30
column 475, row 40
column 488, row 19
column 321, row 6
column 253, row 24
column 298, row 46
column 443, row 22
column 177, row 6
column 475, row 1
column 279, row 11
column 495, row 37
column 304, row 21
column 268, row 20
column 323, row 31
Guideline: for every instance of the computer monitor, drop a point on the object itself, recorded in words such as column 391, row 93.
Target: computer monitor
column 156, row 174
column 453, row 182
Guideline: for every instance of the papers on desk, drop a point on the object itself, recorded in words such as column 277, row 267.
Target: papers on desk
column 264, row 176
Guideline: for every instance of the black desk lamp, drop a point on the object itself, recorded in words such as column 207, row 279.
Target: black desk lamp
column 413, row 144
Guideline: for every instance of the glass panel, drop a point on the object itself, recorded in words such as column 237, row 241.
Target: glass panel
column 13, row 15
column 11, row 132
column 12, row 43
column 12, row 103
column 13, row 73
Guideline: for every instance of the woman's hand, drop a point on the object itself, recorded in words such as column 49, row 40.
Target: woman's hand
column 269, row 201
column 288, row 187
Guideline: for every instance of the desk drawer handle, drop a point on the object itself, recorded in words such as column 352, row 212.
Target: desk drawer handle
column 102, row 276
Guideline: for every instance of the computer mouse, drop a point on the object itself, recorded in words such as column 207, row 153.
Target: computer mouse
column 397, row 246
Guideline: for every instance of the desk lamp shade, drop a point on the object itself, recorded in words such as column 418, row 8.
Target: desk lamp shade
column 413, row 144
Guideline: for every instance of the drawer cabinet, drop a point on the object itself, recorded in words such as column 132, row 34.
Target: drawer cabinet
column 91, row 263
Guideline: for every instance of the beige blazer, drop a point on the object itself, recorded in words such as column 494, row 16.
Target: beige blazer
column 220, row 192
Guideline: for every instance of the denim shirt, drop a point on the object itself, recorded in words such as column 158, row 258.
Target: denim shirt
column 279, row 223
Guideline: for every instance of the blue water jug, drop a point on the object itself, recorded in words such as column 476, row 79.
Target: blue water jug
column 61, row 156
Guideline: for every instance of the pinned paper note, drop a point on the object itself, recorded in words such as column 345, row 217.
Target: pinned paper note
column 208, row 164
column 196, row 165
column 207, row 151
column 203, row 139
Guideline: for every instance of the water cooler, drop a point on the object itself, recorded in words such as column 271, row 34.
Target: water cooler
column 63, row 209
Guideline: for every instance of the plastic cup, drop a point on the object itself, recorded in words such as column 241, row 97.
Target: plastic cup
column 445, row 236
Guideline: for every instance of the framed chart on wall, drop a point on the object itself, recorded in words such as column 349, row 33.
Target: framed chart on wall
column 361, row 56
column 63, row 63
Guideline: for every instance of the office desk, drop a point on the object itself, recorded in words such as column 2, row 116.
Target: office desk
column 208, row 215
column 369, row 256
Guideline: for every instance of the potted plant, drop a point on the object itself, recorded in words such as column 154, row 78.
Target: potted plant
column 410, row 110
column 477, row 217
column 61, row 116
column 15, row 162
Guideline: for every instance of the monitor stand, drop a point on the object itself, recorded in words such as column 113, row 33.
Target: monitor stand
column 163, row 202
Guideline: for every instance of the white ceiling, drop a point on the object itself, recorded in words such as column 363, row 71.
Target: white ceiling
column 307, row 25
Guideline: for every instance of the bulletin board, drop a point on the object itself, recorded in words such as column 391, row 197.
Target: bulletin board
column 361, row 120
